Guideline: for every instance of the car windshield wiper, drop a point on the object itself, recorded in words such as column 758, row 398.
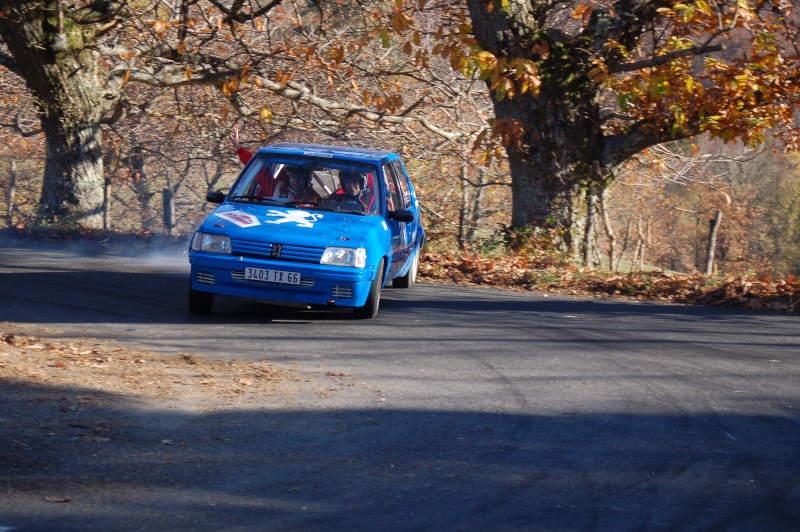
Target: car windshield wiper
column 317, row 206
column 350, row 211
column 324, row 206
column 253, row 197
column 338, row 207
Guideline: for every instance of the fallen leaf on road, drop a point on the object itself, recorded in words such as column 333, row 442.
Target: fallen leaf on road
column 58, row 499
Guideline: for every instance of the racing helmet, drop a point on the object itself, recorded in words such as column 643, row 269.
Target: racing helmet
column 353, row 175
column 299, row 171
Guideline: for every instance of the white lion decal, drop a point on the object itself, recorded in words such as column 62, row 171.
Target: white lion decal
column 301, row 218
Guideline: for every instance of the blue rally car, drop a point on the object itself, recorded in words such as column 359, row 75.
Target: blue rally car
column 337, row 243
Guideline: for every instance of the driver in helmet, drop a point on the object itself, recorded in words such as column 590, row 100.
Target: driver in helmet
column 354, row 190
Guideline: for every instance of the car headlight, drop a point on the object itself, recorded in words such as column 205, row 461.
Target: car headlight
column 211, row 243
column 355, row 257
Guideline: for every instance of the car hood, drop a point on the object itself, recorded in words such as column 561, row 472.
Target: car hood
column 307, row 227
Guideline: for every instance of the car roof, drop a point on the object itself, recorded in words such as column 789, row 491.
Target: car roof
column 327, row 151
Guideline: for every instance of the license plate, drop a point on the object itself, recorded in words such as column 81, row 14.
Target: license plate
column 271, row 276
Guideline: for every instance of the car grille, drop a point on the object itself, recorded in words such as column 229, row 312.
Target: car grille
column 205, row 278
column 342, row 292
column 288, row 252
column 304, row 281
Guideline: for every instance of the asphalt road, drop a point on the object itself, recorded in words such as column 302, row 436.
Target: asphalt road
column 474, row 409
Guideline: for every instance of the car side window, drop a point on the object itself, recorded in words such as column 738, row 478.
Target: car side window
column 393, row 199
column 402, row 180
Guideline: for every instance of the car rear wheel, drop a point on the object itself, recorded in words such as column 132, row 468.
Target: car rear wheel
column 408, row 280
column 370, row 308
column 200, row 302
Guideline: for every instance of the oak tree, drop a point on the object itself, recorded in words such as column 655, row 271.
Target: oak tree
column 77, row 58
column 580, row 87
column 90, row 67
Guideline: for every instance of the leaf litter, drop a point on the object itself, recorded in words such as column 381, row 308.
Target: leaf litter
column 29, row 361
column 523, row 272
column 70, row 405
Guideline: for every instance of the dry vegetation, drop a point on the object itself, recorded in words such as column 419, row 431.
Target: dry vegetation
column 73, row 383
column 80, row 412
column 108, row 368
column 531, row 273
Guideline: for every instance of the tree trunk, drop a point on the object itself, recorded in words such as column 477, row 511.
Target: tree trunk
column 552, row 167
column 624, row 246
column 72, row 191
column 141, row 185
column 551, row 124
column 612, row 238
column 53, row 54
column 556, row 135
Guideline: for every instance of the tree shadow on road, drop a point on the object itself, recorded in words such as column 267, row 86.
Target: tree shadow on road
column 75, row 460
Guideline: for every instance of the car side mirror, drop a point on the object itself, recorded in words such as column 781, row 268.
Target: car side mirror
column 401, row 215
column 215, row 196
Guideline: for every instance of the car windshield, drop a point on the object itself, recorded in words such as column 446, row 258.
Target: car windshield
column 306, row 182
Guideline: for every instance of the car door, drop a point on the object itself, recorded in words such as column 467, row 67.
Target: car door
column 412, row 228
column 395, row 201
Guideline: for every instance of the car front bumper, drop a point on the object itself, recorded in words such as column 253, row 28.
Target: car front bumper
column 319, row 284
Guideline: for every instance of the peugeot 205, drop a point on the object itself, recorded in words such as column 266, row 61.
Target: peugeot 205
column 337, row 245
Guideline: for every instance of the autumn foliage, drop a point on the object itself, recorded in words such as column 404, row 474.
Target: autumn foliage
column 410, row 76
column 521, row 272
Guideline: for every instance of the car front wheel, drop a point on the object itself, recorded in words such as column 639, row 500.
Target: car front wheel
column 370, row 308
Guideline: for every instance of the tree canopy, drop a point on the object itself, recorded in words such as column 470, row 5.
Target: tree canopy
column 87, row 64
column 580, row 87
column 577, row 88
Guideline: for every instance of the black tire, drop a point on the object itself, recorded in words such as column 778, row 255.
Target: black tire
column 408, row 280
column 200, row 302
column 370, row 308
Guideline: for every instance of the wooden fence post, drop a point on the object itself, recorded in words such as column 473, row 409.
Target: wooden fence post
column 169, row 211
column 712, row 242
column 461, row 237
column 12, row 183
column 107, row 204
column 589, row 235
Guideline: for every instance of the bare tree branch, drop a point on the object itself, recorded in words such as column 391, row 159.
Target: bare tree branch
column 297, row 92
column 664, row 58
